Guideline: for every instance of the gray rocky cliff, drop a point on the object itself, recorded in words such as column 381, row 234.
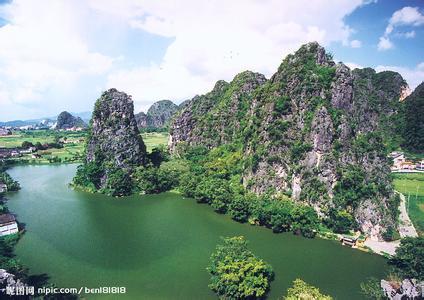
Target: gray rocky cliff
column 190, row 128
column 66, row 120
column 158, row 115
column 316, row 131
column 114, row 140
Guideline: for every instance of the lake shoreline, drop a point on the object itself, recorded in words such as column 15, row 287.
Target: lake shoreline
column 201, row 225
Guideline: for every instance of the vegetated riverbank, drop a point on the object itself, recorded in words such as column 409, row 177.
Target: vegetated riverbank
column 14, row 274
column 148, row 243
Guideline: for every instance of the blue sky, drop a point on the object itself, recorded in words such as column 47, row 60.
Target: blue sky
column 60, row 55
column 369, row 23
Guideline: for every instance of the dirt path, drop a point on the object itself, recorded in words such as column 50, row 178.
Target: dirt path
column 406, row 228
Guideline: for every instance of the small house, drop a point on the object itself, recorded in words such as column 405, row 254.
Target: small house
column 3, row 187
column 420, row 166
column 407, row 165
column 4, row 131
column 350, row 241
column 8, row 224
column 27, row 151
column 398, row 160
column 15, row 153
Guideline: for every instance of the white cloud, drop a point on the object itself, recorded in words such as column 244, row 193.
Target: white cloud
column 413, row 76
column 410, row 34
column 49, row 47
column 217, row 39
column 355, row 44
column 384, row 44
column 42, row 48
column 406, row 16
column 353, row 65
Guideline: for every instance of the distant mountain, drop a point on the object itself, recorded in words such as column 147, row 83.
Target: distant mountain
column 158, row 115
column 18, row 123
column 184, row 104
column 141, row 119
column 46, row 121
column 65, row 120
column 85, row 116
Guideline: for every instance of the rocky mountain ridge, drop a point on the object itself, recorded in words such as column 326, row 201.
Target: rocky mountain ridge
column 316, row 131
column 158, row 115
column 414, row 120
column 65, row 120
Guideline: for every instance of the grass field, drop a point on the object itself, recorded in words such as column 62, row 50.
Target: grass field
column 15, row 140
column 72, row 150
column 154, row 139
column 412, row 186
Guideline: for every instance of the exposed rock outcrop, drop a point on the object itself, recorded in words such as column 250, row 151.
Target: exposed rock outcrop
column 158, row 115
column 66, row 121
column 8, row 281
column 141, row 120
column 407, row 289
column 114, row 141
column 315, row 130
column 203, row 122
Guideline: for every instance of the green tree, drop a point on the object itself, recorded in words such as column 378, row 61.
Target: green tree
column 39, row 146
column 7, row 256
column 158, row 155
column 12, row 185
column 305, row 220
column 151, row 180
column 26, row 144
column 175, row 169
column 239, row 208
column 372, row 289
column 88, row 176
column 340, row 221
column 303, row 291
column 408, row 261
column 236, row 273
column 119, row 183
column 214, row 191
column 351, row 188
column 188, row 184
column 281, row 213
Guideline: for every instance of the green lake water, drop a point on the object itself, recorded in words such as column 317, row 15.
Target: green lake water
column 158, row 246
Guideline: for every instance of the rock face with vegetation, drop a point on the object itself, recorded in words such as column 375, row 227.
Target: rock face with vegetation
column 315, row 131
column 158, row 115
column 66, row 121
column 217, row 117
column 414, row 120
column 114, row 146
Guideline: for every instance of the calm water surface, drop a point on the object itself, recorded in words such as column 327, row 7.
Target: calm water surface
column 158, row 246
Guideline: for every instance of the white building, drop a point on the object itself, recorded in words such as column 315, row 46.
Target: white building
column 3, row 188
column 27, row 151
column 398, row 160
column 420, row 165
column 8, row 225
